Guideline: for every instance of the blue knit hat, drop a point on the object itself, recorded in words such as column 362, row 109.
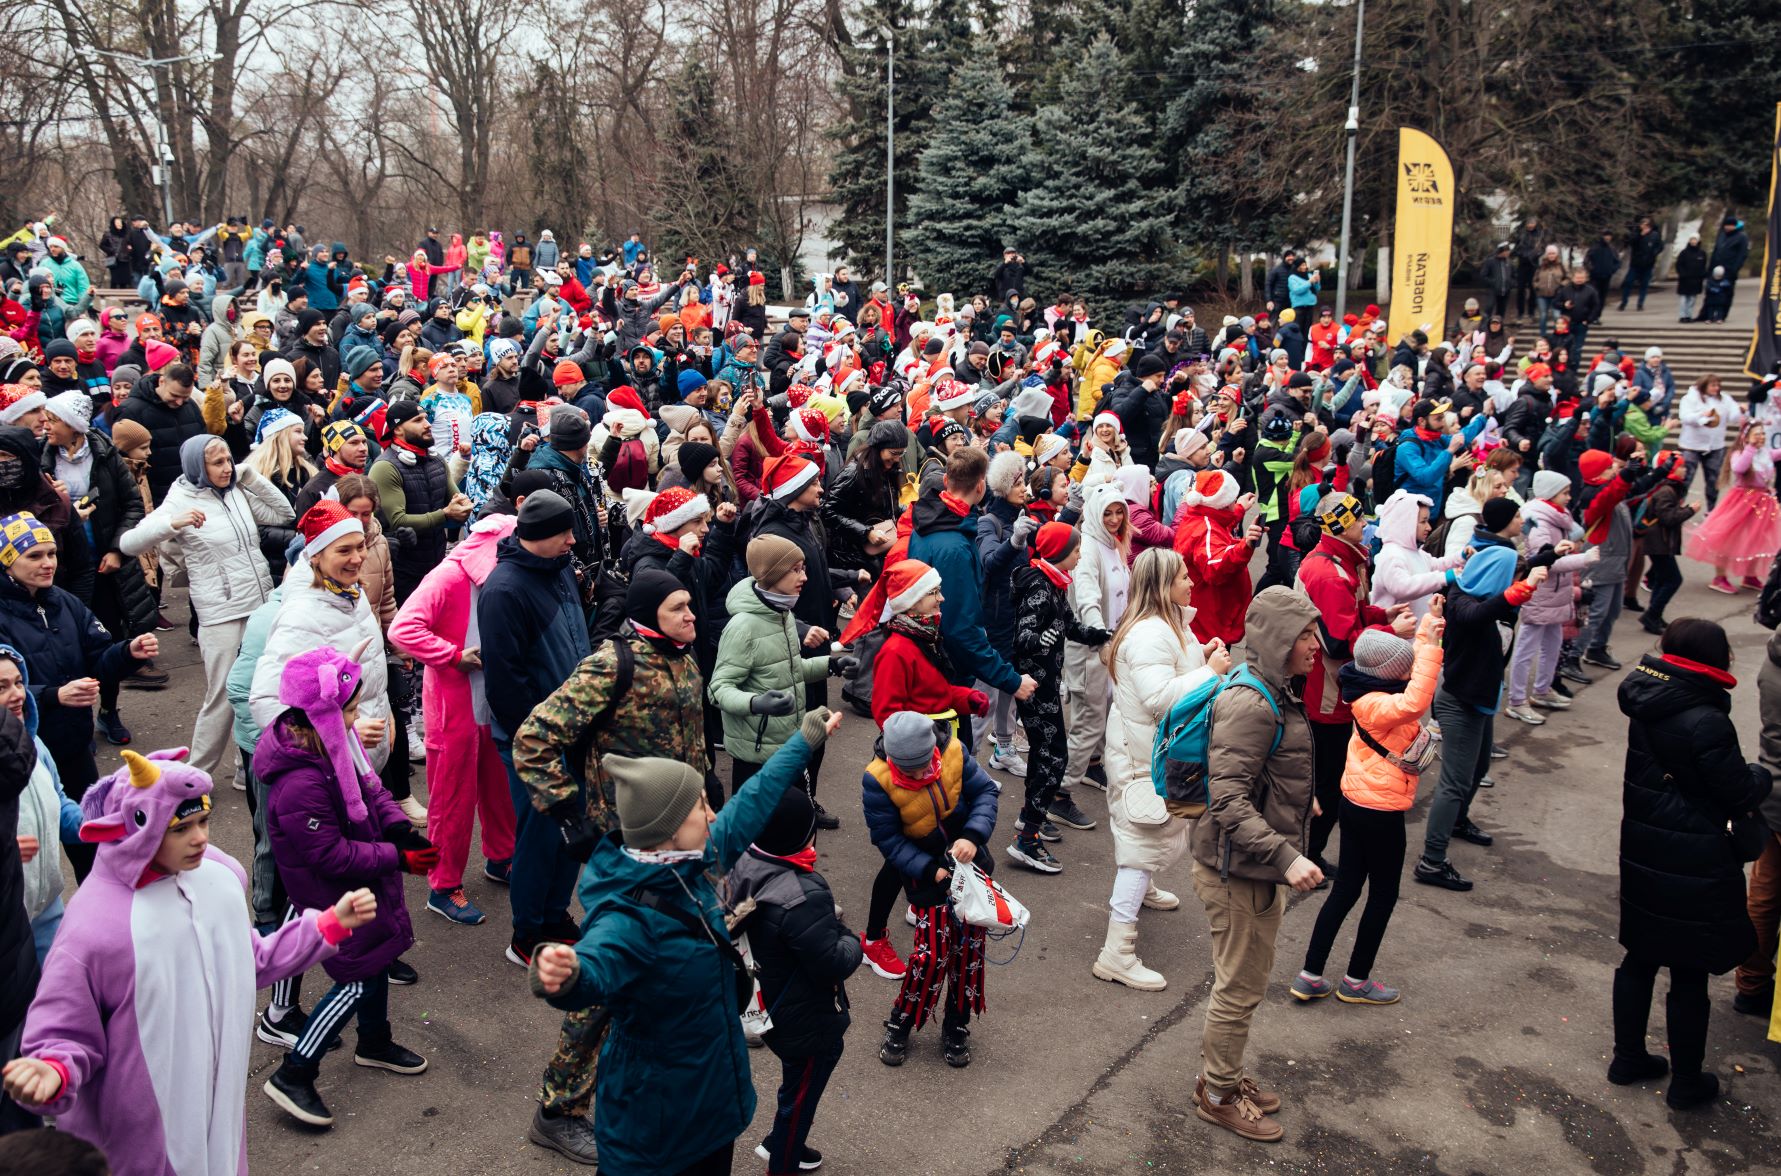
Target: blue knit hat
column 690, row 381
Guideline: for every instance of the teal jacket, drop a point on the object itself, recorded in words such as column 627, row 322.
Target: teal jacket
column 673, row 1083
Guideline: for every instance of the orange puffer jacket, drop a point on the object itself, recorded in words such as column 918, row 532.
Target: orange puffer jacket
column 1369, row 779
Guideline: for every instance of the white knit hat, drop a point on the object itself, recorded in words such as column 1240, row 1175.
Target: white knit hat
column 75, row 409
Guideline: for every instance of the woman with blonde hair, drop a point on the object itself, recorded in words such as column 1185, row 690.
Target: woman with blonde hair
column 1153, row 659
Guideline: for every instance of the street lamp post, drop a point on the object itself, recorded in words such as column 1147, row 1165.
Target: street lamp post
column 162, row 171
column 1353, row 130
column 890, row 150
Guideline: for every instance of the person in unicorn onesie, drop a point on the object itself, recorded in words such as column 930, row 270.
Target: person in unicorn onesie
column 147, row 997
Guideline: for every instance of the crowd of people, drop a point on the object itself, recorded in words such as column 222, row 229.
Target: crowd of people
column 568, row 550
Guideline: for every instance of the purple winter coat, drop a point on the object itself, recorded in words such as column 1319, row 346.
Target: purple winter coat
column 321, row 854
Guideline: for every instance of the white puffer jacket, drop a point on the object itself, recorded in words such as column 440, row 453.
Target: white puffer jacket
column 1152, row 670
column 1099, row 585
column 40, row 816
column 227, row 573
column 309, row 618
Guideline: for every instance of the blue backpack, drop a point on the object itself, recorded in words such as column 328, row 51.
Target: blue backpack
column 1178, row 753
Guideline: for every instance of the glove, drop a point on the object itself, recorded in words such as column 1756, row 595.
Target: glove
column 1073, row 499
column 403, row 537
column 1544, row 558
column 1049, row 639
column 579, row 834
column 773, row 702
column 978, row 702
column 419, row 861
column 1092, row 636
column 844, row 666
column 1023, row 530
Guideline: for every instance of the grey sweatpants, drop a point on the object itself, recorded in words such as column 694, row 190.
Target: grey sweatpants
column 1087, row 695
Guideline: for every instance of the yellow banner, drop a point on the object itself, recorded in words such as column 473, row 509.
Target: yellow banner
column 1424, row 245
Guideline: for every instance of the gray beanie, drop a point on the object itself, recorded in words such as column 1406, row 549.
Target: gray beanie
column 1550, row 483
column 544, row 514
column 909, row 741
column 1381, row 654
column 653, row 796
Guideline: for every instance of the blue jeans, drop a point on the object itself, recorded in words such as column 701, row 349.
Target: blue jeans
column 543, row 872
column 1543, row 309
column 801, row 1083
column 1640, row 276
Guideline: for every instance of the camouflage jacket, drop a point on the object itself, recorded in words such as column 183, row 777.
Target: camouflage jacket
column 661, row 715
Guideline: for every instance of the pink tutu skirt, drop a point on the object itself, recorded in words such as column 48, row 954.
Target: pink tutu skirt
column 1741, row 535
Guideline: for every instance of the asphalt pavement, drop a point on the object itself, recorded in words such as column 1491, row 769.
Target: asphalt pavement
column 1493, row 1062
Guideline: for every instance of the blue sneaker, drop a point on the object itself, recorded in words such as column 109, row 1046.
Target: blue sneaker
column 1309, row 990
column 454, row 906
column 500, row 873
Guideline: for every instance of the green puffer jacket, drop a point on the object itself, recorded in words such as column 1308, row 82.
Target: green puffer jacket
column 758, row 652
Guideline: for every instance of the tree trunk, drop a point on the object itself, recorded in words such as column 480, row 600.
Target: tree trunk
column 1221, row 269
column 1246, row 277
column 1382, row 285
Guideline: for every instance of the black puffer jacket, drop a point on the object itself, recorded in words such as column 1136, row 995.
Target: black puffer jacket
column 804, row 951
column 1681, row 886
column 117, row 506
column 18, row 952
column 168, row 429
column 864, row 494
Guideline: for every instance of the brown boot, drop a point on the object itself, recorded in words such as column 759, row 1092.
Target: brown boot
column 1240, row 1115
column 1266, row 1101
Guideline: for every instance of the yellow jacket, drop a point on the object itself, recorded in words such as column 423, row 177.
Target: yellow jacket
column 1100, row 372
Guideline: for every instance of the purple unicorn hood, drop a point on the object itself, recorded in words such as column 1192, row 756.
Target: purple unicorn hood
column 128, row 812
column 320, row 682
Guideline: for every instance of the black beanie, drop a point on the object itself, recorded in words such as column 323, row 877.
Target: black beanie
column 1149, row 365
column 649, row 587
column 307, row 320
column 791, row 826
column 544, row 514
column 694, row 456
column 1497, row 513
column 59, row 349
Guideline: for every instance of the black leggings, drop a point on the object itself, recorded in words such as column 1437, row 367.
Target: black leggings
column 1329, row 744
column 1373, row 857
column 885, row 889
column 1686, row 1010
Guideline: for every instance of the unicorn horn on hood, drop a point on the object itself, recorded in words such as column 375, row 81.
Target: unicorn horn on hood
column 143, row 773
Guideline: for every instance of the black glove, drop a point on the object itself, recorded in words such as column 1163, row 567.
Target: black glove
column 773, row 702
column 843, row 666
column 1544, row 558
column 403, row 537
column 406, row 837
column 1095, row 637
column 579, row 834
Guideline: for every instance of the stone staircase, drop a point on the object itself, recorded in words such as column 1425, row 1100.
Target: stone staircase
column 1691, row 349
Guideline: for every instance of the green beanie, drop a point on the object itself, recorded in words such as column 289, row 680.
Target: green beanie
column 654, row 796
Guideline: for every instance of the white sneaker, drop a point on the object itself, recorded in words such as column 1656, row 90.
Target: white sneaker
column 417, row 745
column 1552, row 701
column 1526, row 714
column 415, row 811
column 909, row 915
column 1004, row 759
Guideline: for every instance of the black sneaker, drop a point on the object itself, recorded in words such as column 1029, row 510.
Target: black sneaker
column 401, row 973
column 1034, row 856
column 955, row 1046
column 1559, row 688
column 1631, row 604
column 285, row 1032
column 561, row 930
column 809, row 1160
column 894, row 1050
column 1467, row 831
column 1653, row 625
column 294, row 1092
column 500, row 873
column 388, row 1056
column 567, row 1135
column 1063, row 810
column 1755, row 1004
column 825, row 819
column 1440, row 874
column 1049, row 832
column 113, row 728
column 1498, row 751
column 1602, row 658
column 1096, row 777
column 520, row 949
column 1572, row 672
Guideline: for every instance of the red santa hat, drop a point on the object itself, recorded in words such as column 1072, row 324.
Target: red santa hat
column 324, row 523
column 625, row 396
column 1212, row 488
column 906, row 582
column 799, row 394
column 673, row 509
column 811, row 426
column 787, row 475
column 950, row 394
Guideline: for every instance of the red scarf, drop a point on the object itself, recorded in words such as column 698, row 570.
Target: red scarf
column 956, row 505
column 665, row 540
column 804, row 859
column 915, row 783
column 340, row 469
column 1722, row 677
column 1059, row 579
column 1423, row 434
column 1043, row 509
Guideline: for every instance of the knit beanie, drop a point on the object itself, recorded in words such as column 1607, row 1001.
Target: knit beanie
column 276, row 420
column 1379, row 653
column 569, row 428
column 1055, row 541
column 127, row 435
column 693, row 457
column 1595, row 465
column 361, row 360
column 277, row 367
column 334, row 435
column 771, row 557
column 1497, row 513
column 649, row 587
column 567, row 372
column 74, row 409
column 909, row 742
column 1338, row 512
column 689, row 381
column 544, row 514
column 653, row 795
column 1046, row 448
column 791, row 826
column 1550, row 483
column 19, row 533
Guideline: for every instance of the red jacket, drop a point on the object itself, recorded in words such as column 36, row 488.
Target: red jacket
column 903, row 679
column 1334, row 576
column 1218, row 564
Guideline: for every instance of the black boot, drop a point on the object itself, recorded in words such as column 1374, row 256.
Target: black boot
column 1688, row 1091
column 955, row 1045
column 292, row 1087
column 1686, row 1011
column 1633, row 984
column 895, row 1049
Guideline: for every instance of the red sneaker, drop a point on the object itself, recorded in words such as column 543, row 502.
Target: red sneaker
column 884, row 958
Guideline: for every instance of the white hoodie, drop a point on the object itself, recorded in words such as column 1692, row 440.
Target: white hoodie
column 1403, row 573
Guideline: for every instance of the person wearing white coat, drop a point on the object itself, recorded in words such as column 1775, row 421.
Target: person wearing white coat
column 1403, row 573
column 213, row 512
column 1098, row 598
column 1155, row 659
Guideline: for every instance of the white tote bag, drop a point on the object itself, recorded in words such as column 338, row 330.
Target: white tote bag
column 979, row 901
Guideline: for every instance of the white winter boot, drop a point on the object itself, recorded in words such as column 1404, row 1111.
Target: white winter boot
column 1160, row 900
column 1119, row 960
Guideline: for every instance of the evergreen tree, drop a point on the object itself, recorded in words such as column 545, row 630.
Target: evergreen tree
column 1089, row 215
column 970, row 172
column 1724, row 84
column 705, row 208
